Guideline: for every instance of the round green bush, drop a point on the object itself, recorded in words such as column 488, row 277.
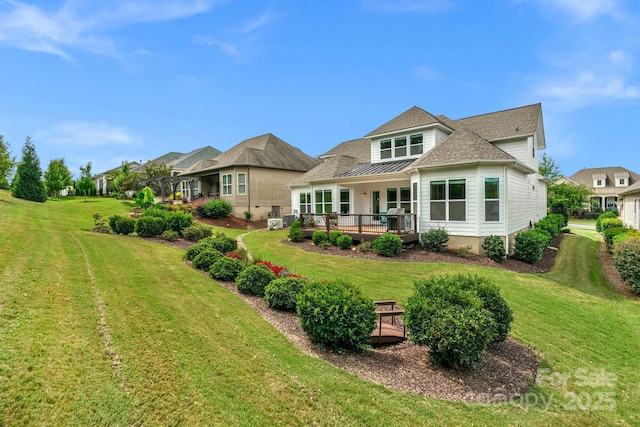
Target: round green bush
column 388, row 245
column 170, row 235
column 206, row 258
column 530, row 245
column 435, row 239
column 197, row 231
column 344, row 242
column 494, row 247
column 295, row 232
column 254, row 279
column 149, row 226
column 626, row 258
column 217, row 209
column 333, row 237
column 318, row 237
column 178, row 220
column 194, row 250
column 562, row 209
column 282, row 292
column 122, row 224
column 226, row 269
column 336, row 314
column 610, row 214
column 224, row 244
column 155, row 211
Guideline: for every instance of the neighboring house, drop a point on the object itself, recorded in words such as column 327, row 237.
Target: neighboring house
column 629, row 204
column 101, row 179
column 475, row 176
column 606, row 183
column 253, row 175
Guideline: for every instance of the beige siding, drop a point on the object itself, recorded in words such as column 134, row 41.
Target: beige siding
column 630, row 210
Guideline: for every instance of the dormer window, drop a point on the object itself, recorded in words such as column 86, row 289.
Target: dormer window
column 401, row 147
column 599, row 180
column 622, row 179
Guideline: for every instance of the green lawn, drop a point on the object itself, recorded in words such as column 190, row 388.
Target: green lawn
column 100, row 329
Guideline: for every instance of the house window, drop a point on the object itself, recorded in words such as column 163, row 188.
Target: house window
column 385, row 149
column 344, row 201
column 324, row 203
column 242, row 184
column 392, row 198
column 416, row 144
column 186, row 191
column 305, row 202
column 598, row 183
column 401, row 146
column 621, row 181
column 448, row 200
column 492, row 199
column 227, row 185
column 405, row 199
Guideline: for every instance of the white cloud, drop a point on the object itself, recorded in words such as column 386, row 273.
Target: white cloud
column 396, row 6
column 86, row 134
column 77, row 25
column 587, row 10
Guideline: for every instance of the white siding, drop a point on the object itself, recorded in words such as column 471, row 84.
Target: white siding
column 526, row 204
column 440, row 135
column 522, row 150
column 428, row 140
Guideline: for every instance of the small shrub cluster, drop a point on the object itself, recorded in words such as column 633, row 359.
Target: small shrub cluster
column 282, row 292
column 318, row 237
column 344, row 241
column 178, row 221
column 150, row 226
column 122, row 224
column 254, row 279
column 333, row 237
column 464, row 252
column 219, row 242
column 227, row 268
column 388, row 245
column 99, row 224
column 530, row 245
column 196, row 232
column 216, row 209
column 609, row 214
column 295, row 232
column 170, row 235
column 206, row 258
column 365, row 246
column 494, row 247
column 457, row 317
column 336, row 314
column 435, row 239
column 552, row 224
column 561, row 208
column 627, row 261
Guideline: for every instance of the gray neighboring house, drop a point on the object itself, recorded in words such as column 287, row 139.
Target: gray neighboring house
column 101, row 181
column 607, row 183
column 629, row 206
column 476, row 176
column 253, row 175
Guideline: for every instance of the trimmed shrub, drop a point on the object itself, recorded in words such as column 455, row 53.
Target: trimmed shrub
column 170, row 235
column 610, row 233
column 217, row 209
column 628, row 233
column 561, row 208
column 122, row 224
column 530, row 245
column 365, row 246
column 464, row 252
column 435, row 239
column 194, row 250
column 336, row 314
column 226, row 269
column 155, row 211
column 206, row 258
column 282, row 292
column 388, row 245
column 494, row 247
column 224, row 243
column 627, row 261
column 447, row 315
column 610, row 214
column 333, row 237
column 197, row 231
column 295, row 232
column 608, row 223
column 254, row 279
column 552, row 224
column 319, row 237
column 149, row 226
column 178, row 220
column 344, row 241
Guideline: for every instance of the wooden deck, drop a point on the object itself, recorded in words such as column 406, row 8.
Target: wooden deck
column 363, row 227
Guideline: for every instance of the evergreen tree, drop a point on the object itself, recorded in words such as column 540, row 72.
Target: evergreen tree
column 27, row 183
column 7, row 164
column 56, row 177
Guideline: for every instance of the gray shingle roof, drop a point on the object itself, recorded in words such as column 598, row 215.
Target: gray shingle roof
column 363, row 169
column 266, row 151
column 586, row 177
column 504, row 124
column 635, row 188
column 189, row 159
column 359, row 149
column 462, row 146
column 413, row 117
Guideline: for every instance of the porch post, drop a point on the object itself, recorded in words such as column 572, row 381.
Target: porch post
column 359, row 223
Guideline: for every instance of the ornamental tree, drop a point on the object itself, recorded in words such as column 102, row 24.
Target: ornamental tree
column 56, row 177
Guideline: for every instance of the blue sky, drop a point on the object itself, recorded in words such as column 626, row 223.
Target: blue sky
column 95, row 81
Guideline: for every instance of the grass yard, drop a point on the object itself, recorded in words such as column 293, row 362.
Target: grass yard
column 99, row 329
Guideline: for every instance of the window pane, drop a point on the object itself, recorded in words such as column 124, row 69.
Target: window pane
column 318, row 196
column 438, row 190
column 303, row 198
column 392, row 194
column 344, row 196
column 457, row 189
column 344, row 208
column 416, row 144
column 406, row 207
column 401, row 146
column 327, row 196
column 385, row 144
column 492, row 210
column 385, row 149
column 415, row 190
column 458, row 211
column 491, row 188
column 438, row 211
column 405, row 194
column 319, row 208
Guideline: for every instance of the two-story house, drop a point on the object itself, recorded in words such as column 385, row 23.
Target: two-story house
column 475, row 176
column 606, row 183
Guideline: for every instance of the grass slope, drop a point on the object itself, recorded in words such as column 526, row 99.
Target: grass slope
column 100, row 329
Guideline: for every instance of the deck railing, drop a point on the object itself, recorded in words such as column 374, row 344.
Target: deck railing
column 361, row 223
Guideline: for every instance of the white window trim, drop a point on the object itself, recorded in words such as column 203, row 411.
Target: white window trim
column 406, row 147
column 499, row 199
column 243, row 193
column 447, row 200
column 227, row 189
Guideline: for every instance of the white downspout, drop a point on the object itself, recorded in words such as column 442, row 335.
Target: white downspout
column 506, row 212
